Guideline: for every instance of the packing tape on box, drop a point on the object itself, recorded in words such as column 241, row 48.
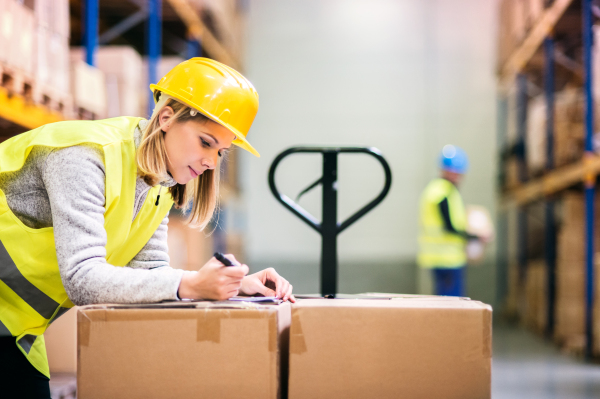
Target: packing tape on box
column 209, row 325
column 208, row 322
column 297, row 342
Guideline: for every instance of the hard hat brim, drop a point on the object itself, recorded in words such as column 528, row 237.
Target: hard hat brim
column 239, row 141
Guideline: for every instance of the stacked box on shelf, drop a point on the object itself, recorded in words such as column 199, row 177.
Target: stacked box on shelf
column 536, row 306
column 88, row 87
column 51, row 62
column 569, row 329
column 16, row 47
column 122, row 68
column 568, row 129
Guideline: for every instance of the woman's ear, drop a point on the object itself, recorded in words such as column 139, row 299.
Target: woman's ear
column 164, row 117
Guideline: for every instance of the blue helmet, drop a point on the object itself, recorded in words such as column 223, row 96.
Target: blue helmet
column 454, row 159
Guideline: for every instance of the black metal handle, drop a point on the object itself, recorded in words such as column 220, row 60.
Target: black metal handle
column 304, row 214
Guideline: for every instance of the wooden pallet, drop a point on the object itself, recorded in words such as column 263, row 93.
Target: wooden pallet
column 15, row 81
column 19, row 83
column 53, row 99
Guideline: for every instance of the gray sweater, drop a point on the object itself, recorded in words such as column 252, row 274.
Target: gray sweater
column 64, row 189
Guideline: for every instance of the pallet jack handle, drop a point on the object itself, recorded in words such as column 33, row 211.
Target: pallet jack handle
column 329, row 228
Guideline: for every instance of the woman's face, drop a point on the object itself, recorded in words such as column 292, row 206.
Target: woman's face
column 192, row 147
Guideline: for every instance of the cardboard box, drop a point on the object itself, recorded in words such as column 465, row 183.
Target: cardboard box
column 394, row 348
column 122, row 66
column 20, row 46
column 182, row 350
column 8, row 28
column 89, row 88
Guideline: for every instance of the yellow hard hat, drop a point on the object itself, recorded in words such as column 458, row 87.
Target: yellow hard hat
column 219, row 92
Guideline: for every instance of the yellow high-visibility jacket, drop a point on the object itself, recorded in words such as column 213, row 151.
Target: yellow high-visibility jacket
column 32, row 294
column 437, row 246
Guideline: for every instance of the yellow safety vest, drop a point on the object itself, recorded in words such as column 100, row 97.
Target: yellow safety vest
column 437, row 246
column 32, row 294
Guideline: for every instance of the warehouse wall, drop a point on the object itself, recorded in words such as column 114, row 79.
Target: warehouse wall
column 404, row 76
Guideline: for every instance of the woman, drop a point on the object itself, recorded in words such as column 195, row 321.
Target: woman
column 84, row 204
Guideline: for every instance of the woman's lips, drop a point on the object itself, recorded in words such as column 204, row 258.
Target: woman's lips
column 193, row 172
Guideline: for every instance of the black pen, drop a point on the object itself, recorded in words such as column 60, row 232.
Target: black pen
column 221, row 258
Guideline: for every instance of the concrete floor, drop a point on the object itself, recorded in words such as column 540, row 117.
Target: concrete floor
column 526, row 366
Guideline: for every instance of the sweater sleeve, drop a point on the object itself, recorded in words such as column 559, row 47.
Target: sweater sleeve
column 74, row 178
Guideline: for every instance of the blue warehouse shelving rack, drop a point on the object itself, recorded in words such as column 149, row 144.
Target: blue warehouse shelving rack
column 536, row 62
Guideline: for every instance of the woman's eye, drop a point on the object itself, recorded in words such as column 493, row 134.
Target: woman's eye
column 205, row 143
column 220, row 154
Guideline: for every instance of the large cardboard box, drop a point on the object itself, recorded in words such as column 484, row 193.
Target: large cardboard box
column 182, row 350
column 390, row 348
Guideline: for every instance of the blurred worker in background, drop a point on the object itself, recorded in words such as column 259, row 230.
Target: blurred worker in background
column 442, row 225
column 84, row 209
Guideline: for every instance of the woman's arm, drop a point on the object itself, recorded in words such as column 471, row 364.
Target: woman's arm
column 74, row 179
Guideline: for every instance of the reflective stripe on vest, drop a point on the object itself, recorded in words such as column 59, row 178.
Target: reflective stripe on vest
column 31, row 291
column 437, row 246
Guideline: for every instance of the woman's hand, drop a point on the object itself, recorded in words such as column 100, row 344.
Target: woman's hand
column 268, row 283
column 213, row 281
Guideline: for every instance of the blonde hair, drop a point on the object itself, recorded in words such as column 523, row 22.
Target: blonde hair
column 199, row 195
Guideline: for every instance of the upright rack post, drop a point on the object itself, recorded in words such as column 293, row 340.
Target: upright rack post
column 590, row 178
column 154, row 44
column 522, row 98
column 90, row 30
column 550, row 233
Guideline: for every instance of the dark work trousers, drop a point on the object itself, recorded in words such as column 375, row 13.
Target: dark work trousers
column 449, row 282
column 18, row 378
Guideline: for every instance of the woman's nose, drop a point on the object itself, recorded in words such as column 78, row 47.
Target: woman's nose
column 210, row 162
